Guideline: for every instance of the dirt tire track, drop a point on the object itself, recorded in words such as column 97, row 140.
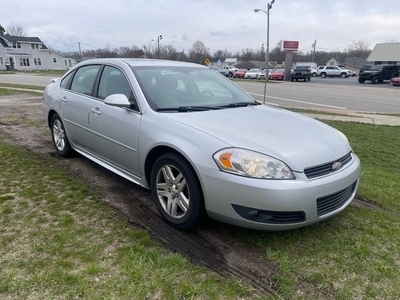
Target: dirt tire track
column 212, row 244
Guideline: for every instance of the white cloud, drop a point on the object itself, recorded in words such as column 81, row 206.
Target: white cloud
column 230, row 25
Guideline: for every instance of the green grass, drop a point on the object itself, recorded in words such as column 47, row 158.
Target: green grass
column 57, row 73
column 22, row 86
column 10, row 92
column 58, row 240
column 65, row 243
column 354, row 255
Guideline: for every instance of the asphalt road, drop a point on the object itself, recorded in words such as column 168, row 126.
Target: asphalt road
column 328, row 94
column 319, row 93
column 27, row 79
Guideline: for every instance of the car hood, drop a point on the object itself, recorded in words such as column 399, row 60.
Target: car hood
column 297, row 140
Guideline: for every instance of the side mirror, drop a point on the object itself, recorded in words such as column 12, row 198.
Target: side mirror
column 119, row 100
column 55, row 79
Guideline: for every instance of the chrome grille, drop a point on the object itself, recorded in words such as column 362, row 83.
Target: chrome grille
column 334, row 201
column 325, row 169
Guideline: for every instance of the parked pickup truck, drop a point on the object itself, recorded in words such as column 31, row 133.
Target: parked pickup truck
column 301, row 72
column 229, row 70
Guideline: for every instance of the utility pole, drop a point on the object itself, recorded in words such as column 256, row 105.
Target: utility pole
column 314, row 46
column 158, row 45
column 269, row 7
column 80, row 51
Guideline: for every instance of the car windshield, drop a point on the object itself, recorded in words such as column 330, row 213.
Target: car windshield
column 375, row 68
column 253, row 71
column 305, row 68
column 189, row 89
column 280, row 71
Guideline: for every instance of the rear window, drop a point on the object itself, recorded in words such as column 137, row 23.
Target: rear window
column 302, row 68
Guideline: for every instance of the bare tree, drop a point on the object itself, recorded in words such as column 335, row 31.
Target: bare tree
column 169, row 52
column 198, row 52
column 2, row 30
column 392, row 41
column 359, row 49
column 16, row 29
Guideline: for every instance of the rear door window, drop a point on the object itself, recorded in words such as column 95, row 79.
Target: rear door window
column 84, row 79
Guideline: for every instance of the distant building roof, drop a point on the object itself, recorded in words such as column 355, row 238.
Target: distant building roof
column 3, row 42
column 15, row 38
column 355, row 61
column 246, row 65
column 230, row 60
column 26, row 39
column 385, row 52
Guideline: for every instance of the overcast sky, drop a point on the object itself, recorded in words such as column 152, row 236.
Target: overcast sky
column 219, row 24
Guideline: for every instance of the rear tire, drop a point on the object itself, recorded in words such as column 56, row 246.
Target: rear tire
column 343, row 75
column 176, row 191
column 361, row 80
column 375, row 79
column 59, row 137
column 323, row 75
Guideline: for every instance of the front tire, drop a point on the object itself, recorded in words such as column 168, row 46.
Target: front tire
column 343, row 75
column 323, row 75
column 361, row 80
column 176, row 191
column 59, row 137
column 375, row 79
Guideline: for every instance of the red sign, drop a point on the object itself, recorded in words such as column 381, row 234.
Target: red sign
column 290, row 46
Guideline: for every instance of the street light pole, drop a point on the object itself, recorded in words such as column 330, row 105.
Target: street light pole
column 269, row 6
column 158, row 45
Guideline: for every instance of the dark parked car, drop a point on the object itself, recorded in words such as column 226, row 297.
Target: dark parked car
column 365, row 68
column 379, row 73
column 301, row 72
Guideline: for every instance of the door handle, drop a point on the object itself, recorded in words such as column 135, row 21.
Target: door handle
column 64, row 99
column 96, row 111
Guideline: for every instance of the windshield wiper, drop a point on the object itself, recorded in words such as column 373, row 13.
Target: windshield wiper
column 187, row 108
column 239, row 104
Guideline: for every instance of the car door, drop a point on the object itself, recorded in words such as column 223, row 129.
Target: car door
column 76, row 89
column 115, row 130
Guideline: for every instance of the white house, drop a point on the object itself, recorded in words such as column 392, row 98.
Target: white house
column 332, row 62
column 30, row 53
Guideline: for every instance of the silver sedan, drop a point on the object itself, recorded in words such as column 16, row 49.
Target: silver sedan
column 201, row 144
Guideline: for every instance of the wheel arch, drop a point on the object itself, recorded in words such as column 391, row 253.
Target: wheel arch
column 155, row 153
column 50, row 115
column 162, row 149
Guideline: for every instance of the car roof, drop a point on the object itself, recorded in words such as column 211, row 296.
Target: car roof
column 142, row 62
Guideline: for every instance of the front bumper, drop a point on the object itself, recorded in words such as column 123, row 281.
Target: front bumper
column 235, row 199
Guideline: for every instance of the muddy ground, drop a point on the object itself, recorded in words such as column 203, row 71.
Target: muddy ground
column 213, row 244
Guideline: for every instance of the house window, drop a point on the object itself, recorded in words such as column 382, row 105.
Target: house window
column 16, row 45
column 37, row 46
column 1, row 61
column 65, row 61
column 37, row 61
column 70, row 63
column 24, row 62
column 55, row 60
column 33, row 46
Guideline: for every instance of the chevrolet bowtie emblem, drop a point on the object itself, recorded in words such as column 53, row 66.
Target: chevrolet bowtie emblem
column 336, row 165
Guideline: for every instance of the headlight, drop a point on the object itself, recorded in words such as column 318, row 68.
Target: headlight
column 251, row 164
